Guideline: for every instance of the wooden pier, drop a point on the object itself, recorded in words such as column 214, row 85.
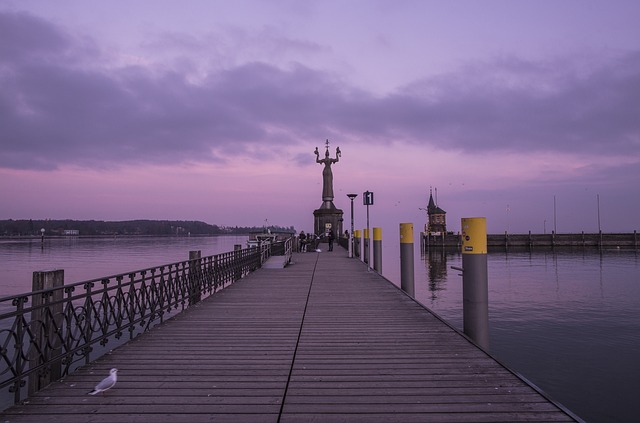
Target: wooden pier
column 321, row 340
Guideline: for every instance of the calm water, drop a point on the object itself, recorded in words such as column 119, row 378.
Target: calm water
column 90, row 258
column 567, row 321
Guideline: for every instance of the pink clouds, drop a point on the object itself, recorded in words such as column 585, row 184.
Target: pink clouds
column 154, row 127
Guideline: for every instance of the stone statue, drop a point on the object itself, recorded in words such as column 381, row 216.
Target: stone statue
column 327, row 218
column 327, row 174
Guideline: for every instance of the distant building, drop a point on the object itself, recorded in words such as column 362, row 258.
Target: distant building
column 71, row 232
column 437, row 218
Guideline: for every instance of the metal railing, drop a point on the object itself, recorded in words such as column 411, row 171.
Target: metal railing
column 47, row 334
column 288, row 249
column 283, row 248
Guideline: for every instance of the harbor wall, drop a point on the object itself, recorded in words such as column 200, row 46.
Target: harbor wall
column 529, row 240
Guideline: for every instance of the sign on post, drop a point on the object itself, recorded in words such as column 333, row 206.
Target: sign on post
column 367, row 200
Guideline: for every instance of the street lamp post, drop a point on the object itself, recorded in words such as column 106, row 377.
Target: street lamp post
column 351, row 197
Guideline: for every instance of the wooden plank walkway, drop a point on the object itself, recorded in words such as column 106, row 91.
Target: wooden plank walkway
column 322, row 340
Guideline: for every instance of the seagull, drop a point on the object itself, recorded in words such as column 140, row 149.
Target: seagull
column 107, row 383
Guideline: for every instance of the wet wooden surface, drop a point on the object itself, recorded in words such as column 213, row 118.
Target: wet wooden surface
column 321, row 340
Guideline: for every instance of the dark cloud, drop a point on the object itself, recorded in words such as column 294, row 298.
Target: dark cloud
column 59, row 105
column 519, row 106
column 23, row 36
column 58, row 111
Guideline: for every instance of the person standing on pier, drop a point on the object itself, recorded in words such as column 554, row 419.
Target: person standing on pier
column 331, row 238
column 302, row 239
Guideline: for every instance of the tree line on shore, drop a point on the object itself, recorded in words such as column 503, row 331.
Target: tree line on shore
column 32, row 227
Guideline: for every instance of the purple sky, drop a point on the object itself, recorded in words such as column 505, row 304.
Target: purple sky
column 211, row 110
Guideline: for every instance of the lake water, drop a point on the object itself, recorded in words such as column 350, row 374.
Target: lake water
column 567, row 320
column 90, row 258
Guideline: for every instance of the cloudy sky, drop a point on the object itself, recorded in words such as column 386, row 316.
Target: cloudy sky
column 526, row 112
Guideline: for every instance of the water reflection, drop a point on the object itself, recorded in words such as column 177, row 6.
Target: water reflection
column 436, row 271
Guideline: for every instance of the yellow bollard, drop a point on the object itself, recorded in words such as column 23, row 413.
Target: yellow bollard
column 377, row 249
column 475, row 291
column 474, row 235
column 406, row 259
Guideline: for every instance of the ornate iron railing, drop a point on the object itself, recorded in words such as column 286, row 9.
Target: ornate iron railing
column 46, row 334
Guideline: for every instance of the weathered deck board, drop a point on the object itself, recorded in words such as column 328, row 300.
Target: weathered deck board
column 330, row 339
column 387, row 359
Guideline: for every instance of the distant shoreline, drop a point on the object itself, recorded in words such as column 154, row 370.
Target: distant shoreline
column 141, row 227
column 57, row 236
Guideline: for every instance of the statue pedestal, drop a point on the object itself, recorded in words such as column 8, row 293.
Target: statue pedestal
column 327, row 217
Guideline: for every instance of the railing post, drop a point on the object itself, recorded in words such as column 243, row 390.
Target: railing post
column 365, row 242
column 216, row 272
column 132, row 301
column 475, row 292
column 195, row 287
column 46, row 319
column 19, row 346
column 377, row 250
column 264, row 250
column 236, row 261
column 356, row 242
column 406, row 259
column 288, row 249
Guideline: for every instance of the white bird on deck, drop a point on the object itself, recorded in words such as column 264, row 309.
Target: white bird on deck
column 106, row 383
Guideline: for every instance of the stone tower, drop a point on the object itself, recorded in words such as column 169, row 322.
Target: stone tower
column 437, row 218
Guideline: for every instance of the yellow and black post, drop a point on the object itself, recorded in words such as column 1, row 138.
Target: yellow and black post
column 475, row 291
column 377, row 249
column 356, row 242
column 406, row 259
